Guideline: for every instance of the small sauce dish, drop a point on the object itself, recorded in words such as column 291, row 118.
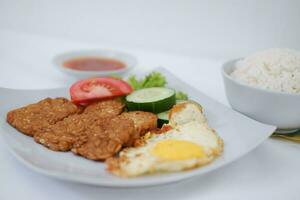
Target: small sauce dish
column 91, row 63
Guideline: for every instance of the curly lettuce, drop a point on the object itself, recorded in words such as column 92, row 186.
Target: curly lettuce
column 154, row 79
column 181, row 96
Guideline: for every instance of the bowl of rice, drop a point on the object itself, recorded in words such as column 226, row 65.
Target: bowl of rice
column 265, row 86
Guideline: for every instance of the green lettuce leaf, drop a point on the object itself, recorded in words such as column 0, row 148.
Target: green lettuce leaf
column 181, row 96
column 154, row 79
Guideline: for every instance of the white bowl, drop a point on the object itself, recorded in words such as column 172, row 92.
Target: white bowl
column 275, row 108
column 127, row 59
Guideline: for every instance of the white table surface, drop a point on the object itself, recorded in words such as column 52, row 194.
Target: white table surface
column 269, row 172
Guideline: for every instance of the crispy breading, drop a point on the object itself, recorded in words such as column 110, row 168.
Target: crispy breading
column 96, row 132
column 62, row 135
column 106, row 139
column 106, row 108
column 143, row 122
column 38, row 116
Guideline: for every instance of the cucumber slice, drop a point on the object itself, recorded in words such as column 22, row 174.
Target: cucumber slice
column 163, row 118
column 155, row 99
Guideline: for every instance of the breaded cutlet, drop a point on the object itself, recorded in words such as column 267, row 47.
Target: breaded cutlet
column 106, row 139
column 36, row 117
column 143, row 122
column 62, row 135
column 109, row 136
column 105, row 108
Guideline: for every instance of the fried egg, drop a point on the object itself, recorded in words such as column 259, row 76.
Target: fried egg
column 188, row 142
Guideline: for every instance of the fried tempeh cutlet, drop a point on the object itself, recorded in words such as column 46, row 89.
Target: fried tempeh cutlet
column 97, row 132
column 143, row 122
column 106, row 139
column 39, row 116
column 111, row 135
column 62, row 135
column 105, row 108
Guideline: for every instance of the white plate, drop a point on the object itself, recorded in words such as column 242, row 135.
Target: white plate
column 240, row 134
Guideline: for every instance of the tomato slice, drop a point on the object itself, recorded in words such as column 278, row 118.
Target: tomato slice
column 88, row 90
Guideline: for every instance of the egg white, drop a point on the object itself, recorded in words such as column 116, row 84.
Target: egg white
column 189, row 124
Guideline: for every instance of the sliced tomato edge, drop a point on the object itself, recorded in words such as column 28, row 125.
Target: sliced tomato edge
column 128, row 90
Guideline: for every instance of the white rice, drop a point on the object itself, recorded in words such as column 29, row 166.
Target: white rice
column 272, row 69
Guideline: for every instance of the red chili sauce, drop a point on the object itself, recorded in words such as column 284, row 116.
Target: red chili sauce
column 94, row 64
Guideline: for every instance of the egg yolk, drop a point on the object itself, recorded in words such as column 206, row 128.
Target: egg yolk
column 177, row 150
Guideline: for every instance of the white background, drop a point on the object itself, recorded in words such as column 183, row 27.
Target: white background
column 219, row 28
column 199, row 34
